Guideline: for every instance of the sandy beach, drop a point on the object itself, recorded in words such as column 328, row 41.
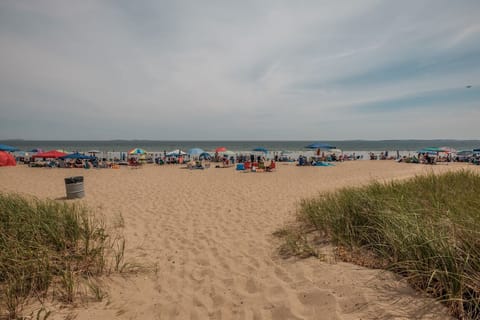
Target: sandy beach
column 210, row 233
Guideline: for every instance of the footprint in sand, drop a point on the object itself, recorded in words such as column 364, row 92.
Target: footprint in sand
column 199, row 274
column 282, row 275
column 251, row 286
column 318, row 302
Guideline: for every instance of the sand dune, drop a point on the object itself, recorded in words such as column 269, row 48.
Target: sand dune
column 210, row 232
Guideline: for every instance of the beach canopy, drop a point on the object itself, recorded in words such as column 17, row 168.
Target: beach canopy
column 319, row 145
column 4, row 147
column 260, row 149
column 195, row 151
column 137, row 151
column 176, row 153
column 432, row 150
column 205, row 155
column 6, row 159
column 77, row 155
column 52, row 154
column 221, row 149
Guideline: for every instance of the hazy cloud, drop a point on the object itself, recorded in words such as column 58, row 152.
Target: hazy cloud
column 239, row 70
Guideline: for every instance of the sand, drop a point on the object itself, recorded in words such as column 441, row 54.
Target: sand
column 210, row 233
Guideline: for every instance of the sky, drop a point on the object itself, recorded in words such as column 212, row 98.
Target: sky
column 239, row 70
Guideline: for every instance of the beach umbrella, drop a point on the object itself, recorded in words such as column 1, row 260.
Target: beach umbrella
column 176, row 153
column 52, row 154
column 205, row 155
column 36, row 150
column 94, row 151
column 319, row 145
column 220, row 149
column 260, row 149
column 4, row 147
column 432, row 150
column 137, row 151
column 195, row 151
column 77, row 155
column 476, row 150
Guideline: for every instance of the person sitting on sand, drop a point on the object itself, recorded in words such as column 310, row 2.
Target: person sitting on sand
column 191, row 164
column 270, row 167
column 78, row 163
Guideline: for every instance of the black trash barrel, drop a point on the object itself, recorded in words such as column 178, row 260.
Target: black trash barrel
column 74, row 186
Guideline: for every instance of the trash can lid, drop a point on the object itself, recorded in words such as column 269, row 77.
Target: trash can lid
column 70, row 180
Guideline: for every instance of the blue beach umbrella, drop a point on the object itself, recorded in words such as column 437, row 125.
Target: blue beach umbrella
column 319, row 145
column 77, row 155
column 195, row 151
column 36, row 150
column 260, row 149
column 205, row 155
column 4, row 147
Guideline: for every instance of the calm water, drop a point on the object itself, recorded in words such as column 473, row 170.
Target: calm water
column 157, row 146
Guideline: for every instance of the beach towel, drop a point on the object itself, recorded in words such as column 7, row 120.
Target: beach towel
column 324, row 164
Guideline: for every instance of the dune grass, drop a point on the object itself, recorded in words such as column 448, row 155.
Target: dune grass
column 47, row 249
column 426, row 229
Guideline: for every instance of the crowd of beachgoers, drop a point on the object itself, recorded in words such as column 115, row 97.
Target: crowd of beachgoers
column 196, row 158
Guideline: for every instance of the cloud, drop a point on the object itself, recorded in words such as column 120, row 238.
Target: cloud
column 249, row 70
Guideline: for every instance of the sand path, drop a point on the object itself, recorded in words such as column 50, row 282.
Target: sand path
column 210, row 232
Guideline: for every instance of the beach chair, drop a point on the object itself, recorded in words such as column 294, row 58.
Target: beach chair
column 261, row 166
column 134, row 164
column 271, row 167
column 248, row 165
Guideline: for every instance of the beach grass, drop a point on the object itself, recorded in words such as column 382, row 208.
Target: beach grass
column 49, row 248
column 426, row 229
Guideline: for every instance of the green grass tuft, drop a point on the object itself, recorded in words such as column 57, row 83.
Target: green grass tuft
column 426, row 228
column 47, row 247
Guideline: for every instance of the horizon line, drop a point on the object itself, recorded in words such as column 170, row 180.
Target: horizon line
column 240, row 140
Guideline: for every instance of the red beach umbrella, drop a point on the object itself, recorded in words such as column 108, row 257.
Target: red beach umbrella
column 221, row 149
column 53, row 154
